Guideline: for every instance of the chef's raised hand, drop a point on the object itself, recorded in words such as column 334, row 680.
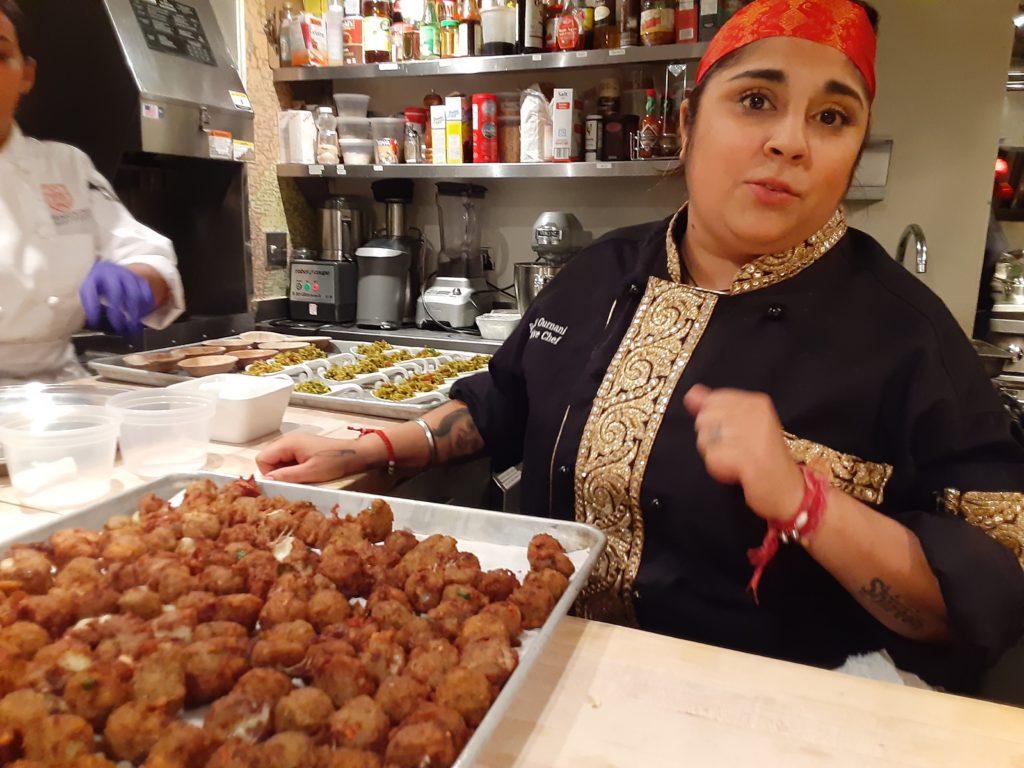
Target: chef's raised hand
column 117, row 293
column 740, row 438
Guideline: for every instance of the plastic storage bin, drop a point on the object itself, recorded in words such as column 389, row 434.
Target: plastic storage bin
column 62, row 457
column 357, row 151
column 498, row 324
column 164, row 431
column 353, row 128
column 247, row 407
column 352, row 104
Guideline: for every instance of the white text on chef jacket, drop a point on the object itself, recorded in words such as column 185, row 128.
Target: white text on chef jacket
column 545, row 330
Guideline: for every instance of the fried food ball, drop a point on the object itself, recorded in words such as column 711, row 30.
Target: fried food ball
column 549, row 579
column 241, row 609
column 428, row 554
column 260, row 569
column 20, row 710
column 10, row 745
column 281, row 607
column 212, row 667
column 476, row 599
column 326, row 607
column 24, row 638
column 54, row 611
column 58, row 739
column 212, row 629
column 160, row 680
column 98, row 600
column 383, row 655
column 509, row 614
column 356, row 630
column 53, row 664
column 461, row 568
column 448, row 617
column 468, row 692
column 351, row 758
column 262, row 684
column 182, row 745
column 342, row 678
column 200, row 525
column 203, row 603
column 376, row 520
column 94, row 693
column 545, row 551
column 239, row 716
column 222, row 579
column 535, row 603
column 322, row 649
column 430, row 663
column 392, row 614
column 175, row 581
column 284, row 645
column 400, row 695
column 304, row 709
column 133, row 728
column 424, row 588
column 122, row 545
column 69, row 543
column 289, row 749
column 28, row 570
column 162, row 538
column 400, row 542
column 343, row 565
column 176, row 624
column 418, row 631
column 497, row 584
column 386, row 592
column 79, row 572
column 360, row 724
column 493, row 657
column 419, row 744
column 235, row 753
column 483, row 626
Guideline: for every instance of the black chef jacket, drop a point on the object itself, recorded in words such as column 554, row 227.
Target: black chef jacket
column 866, row 368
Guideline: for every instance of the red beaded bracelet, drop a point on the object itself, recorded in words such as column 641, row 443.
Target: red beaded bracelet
column 392, row 459
column 803, row 523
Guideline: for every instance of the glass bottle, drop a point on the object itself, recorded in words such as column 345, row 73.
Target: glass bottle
column 606, row 31
column 334, row 21
column 570, row 28
column 657, row 22
column 650, row 126
column 552, row 13
column 686, row 21
column 430, row 32
column 585, row 14
column 531, row 26
column 470, row 41
column 449, row 38
column 284, row 36
column 376, row 31
column 628, row 14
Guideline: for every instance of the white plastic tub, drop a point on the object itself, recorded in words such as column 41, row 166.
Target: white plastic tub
column 163, row 431
column 357, row 151
column 353, row 128
column 247, row 407
column 352, row 104
column 61, row 457
column 498, row 324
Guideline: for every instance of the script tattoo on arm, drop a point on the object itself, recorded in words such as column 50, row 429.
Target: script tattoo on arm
column 457, row 436
column 880, row 593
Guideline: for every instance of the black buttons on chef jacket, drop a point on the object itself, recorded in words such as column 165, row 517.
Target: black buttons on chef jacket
column 655, row 505
column 635, row 289
column 563, row 470
column 776, row 311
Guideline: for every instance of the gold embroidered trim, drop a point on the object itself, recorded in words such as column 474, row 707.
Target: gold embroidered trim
column 620, row 432
column 863, row 480
column 999, row 514
column 771, row 268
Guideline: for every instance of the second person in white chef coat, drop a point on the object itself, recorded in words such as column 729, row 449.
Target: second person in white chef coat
column 70, row 252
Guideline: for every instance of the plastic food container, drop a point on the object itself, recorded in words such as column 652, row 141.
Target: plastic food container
column 498, row 324
column 164, row 431
column 353, row 128
column 357, row 151
column 508, row 104
column 387, row 128
column 62, row 457
column 247, row 407
column 352, row 104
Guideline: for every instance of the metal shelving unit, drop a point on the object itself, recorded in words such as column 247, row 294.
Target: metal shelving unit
column 628, row 168
column 478, row 65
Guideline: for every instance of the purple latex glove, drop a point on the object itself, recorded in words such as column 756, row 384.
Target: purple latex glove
column 127, row 298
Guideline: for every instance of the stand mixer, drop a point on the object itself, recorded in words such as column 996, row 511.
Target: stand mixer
column 557, row 237
column 458, row 294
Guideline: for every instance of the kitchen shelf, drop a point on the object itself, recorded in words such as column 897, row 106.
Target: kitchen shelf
column 478, row 65
column 581, row 170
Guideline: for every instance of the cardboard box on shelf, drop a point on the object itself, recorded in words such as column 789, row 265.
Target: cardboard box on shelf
column 567, row 125
column 438, row 136
column 458, row 129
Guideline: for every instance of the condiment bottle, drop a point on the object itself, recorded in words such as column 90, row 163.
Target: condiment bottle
column 430, row 34
column 570, row 28
column 657, row 22
column 470, row 40
column 650, row 126
column 606, row 31
column 628, row 13
column 284, row 35
column 449, row 38
column 376, row 31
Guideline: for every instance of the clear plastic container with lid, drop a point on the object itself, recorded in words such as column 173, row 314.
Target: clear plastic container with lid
column 327, row 151
column 352, row 104
column 353, row 128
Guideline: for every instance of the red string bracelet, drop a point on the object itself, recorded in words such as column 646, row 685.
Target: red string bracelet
column 392, row 459
column 803, row 523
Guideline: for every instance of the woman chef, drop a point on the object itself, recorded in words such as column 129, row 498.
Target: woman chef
column 68, row 249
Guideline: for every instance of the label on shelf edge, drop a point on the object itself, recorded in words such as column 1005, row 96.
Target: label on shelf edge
column 444, row 63
column 378, row 168
column 604, row 166
column 617, row 52
column 388, row 66
column 536, row 57
column 316, row 170
column 581, row 54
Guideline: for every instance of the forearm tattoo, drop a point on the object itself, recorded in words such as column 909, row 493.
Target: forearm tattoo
column 880, row 593
column 457, row 436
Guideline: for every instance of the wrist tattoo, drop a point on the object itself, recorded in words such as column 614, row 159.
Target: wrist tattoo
column 339, row 454
column 880, row 593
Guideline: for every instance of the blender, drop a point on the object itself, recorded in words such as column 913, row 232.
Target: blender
column 459, row 293
column 557, row 237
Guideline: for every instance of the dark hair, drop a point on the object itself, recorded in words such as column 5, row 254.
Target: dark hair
column 693, row 100
column 22, row 27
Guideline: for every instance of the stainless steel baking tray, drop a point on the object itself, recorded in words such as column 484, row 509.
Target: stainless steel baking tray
column 499, row 540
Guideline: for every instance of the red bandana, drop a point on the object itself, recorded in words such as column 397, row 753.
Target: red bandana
column 838, row 24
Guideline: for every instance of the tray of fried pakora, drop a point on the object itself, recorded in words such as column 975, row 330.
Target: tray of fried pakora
column 204, row 621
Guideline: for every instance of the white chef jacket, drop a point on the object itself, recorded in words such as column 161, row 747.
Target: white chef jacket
column 58, row 216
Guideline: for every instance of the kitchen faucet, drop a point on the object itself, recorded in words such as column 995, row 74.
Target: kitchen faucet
column 920, row 243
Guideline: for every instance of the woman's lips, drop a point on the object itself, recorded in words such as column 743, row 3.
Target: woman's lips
column 772, row 192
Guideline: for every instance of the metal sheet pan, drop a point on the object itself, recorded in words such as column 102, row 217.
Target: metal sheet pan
column 498, row 539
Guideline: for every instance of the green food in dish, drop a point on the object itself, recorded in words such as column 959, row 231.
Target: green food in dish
column 312, row 387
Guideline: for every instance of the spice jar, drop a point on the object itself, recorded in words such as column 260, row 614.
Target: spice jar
column 657, row 22
column 449, row 38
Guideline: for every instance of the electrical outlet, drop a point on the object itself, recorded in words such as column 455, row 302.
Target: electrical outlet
column 485, row 257
column 277, row 250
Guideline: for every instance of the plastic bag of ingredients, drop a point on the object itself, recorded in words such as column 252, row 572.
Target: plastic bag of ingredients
column 534, row 127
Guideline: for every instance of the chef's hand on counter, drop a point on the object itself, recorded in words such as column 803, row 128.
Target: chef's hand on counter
column 118, row 294
column 879, row 561
column 302, row 458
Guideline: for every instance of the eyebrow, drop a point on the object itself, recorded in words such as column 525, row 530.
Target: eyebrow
column 837, row 88
column 833, row 87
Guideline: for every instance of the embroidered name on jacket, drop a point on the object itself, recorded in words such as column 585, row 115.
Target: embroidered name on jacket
column 545, row 330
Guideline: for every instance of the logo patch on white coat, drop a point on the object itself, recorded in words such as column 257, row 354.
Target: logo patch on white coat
column 58, row 197
column 545, row 330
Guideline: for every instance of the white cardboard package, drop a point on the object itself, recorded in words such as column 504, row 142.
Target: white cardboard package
column 247, row 407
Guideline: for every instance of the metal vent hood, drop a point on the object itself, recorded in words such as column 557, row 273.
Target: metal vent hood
column 122, row 76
